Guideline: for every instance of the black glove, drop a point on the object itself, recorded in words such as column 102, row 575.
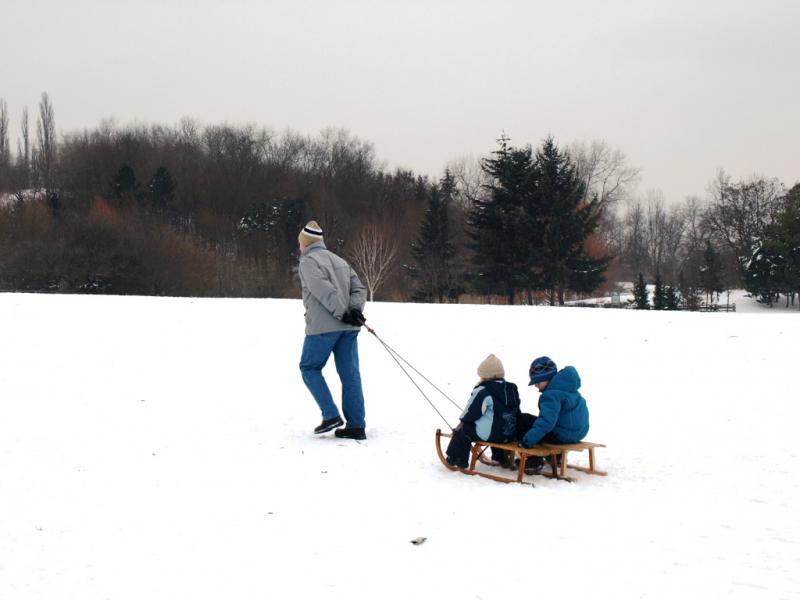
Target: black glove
column 353, row 317
column 358, row 316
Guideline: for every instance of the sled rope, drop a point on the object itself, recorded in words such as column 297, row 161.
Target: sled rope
column 397, row 358
column 433, row 385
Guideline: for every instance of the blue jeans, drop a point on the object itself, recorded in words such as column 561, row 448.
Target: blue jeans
column 316, row 351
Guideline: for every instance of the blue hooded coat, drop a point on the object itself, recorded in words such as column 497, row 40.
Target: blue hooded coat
column 562, row 411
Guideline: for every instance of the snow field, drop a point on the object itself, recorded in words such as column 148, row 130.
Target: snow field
column 162, row 448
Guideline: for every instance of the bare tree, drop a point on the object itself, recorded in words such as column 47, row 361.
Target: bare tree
column 611, row 231
column 655, row 217
column 634, row 241
column 604, row 170
column 471, row 180
column 46, row 142
column 26, row 136
column 665, row 228
column 673, row 231
column 739, row 212
column 341, row 153
column 5, row 150
column 24, row 151
column 695, row 234
column 652, row 239
column 374, row 256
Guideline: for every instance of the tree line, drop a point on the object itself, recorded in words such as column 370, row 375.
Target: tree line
column 740, row 237
column 215, row 210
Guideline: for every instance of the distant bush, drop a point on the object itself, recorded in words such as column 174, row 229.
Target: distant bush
column 114, row 250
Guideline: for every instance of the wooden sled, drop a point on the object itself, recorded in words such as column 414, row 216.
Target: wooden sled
column 479, row 447
column 565, row 449
column 555, row 456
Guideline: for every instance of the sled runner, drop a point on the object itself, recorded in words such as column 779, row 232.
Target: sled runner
column 555, row 456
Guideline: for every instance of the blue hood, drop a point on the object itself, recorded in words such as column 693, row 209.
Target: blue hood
column 563, row 414
column 566, row 380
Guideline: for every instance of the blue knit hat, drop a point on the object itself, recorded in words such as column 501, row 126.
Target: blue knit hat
column 542, row 369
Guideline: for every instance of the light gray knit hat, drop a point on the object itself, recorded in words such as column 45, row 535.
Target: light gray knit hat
column 491, row 368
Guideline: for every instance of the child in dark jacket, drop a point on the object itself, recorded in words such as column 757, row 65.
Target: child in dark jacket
column 490, row 414
column 563, row 414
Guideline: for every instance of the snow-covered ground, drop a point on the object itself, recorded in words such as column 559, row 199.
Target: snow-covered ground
column 162, row 449
column 743, row 301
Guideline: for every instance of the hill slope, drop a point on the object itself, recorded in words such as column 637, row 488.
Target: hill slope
column 161, row 448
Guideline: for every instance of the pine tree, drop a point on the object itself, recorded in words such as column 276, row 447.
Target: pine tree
column 775, row 264
column 501, row 237
column 687, row 285
column 762, row 272
column 124, row 184
column 433, row 250
column 659, row 294
column 455, row 271
column 273, row 226
column 566, row 219
column 531, row 232
column 711, row 273
column 789, row 226
column 640, row 296
column 672, row 298
column 161, row 189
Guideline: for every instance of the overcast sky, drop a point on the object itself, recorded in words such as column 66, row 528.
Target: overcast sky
column 682, row 87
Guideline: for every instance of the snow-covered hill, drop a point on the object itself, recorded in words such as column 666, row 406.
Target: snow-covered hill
column 162, row 449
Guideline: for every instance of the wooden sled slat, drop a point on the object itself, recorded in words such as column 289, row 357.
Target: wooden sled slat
column 565, row 449
column 479, row 447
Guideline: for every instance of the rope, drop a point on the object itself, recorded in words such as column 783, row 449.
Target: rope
column 397, row 358
column 388, row 347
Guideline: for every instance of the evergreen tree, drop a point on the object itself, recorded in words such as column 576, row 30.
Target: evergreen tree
column 585, row 274
column 457, row 271
column 530, row 232
column 641, row 300
column 689, row 290
column 789, row 226
column 775, row 265
column 54, row 201
column 433, row 250
column 711, row 273
column 762, row 272
column 565, row 220
column 659, row 294
column 124, row 184
column 501, row 237
column 161, row 189
column 672, row 298
column 275, row 225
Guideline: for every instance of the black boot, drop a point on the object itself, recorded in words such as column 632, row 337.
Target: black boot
column 329, row 424
column 453, row 463
column 351, row 433
column 503, row 458
column 533, row 465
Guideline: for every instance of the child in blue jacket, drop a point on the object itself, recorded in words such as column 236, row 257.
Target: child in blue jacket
column 490, row 415
column 563, row 414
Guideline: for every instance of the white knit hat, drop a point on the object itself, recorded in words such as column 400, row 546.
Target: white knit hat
column 311, row 233
column 491, row 368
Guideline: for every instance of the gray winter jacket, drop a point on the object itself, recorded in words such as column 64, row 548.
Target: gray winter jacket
column 330, row 288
